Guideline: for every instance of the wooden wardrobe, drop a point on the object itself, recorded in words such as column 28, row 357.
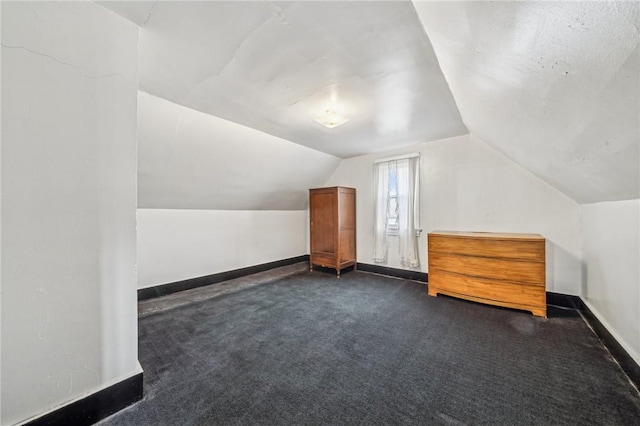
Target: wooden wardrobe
column 332, row 216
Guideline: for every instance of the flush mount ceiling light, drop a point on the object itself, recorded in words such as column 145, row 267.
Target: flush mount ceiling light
column 331, row 118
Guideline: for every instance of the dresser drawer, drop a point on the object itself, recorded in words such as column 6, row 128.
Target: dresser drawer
column 489, row 247
column 490, row 291
column 492, row 268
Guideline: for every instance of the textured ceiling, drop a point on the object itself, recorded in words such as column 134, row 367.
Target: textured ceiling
column 273, row 66
column 553, row 85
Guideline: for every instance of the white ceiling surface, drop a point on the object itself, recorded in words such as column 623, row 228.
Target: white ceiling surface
column 273, row 66
column 555, row 86
column 191, row 160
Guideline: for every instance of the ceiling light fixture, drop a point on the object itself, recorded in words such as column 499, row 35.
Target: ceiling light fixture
column 331, row 118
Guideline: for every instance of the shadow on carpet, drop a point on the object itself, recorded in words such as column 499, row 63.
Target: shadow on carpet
column 366, row 349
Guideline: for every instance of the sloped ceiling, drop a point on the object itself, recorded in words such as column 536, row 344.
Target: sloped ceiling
column 191, row 160
column 274, row 66
column 553, row 85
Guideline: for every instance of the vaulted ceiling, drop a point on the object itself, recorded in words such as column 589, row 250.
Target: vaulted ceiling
column 192, row 160
column 274, row 66
column 555, row 86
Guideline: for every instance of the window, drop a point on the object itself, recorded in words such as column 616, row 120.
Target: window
column 396, row 207
column 392, row 204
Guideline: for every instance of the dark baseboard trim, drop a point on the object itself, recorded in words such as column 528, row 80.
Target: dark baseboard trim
column 565, row 301
column 628, row 364
column 393, row 272
column 169, row 288
column 95, row 407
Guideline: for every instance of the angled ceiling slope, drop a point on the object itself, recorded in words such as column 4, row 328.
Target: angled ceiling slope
column 274, row 66
column 191, row 160
column 553, row 85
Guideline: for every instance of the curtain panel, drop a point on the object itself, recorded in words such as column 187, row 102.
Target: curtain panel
column 380, row 206
column 407, row 193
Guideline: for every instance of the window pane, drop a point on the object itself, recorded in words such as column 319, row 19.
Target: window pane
column 393, row 183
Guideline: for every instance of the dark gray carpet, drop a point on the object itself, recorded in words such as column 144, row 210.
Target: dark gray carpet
column 366, row 349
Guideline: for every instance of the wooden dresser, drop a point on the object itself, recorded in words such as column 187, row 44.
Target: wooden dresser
column 332, row 216
column 494, row 268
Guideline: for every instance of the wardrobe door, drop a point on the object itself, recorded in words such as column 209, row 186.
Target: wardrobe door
column 322, row 207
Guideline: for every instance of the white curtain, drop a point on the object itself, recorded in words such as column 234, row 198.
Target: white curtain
column 407, row 195
column 380, row 202
column 408, row 210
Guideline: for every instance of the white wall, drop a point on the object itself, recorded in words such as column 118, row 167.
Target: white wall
column 611, row 247
column 467, row 185
column 174, row 245
column 69, row 323
column 216, row 195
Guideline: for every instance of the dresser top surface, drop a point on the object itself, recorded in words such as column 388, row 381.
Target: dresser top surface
column 489, row 235
column 332, row 188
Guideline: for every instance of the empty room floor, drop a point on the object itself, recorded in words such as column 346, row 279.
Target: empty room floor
column 307, row 348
